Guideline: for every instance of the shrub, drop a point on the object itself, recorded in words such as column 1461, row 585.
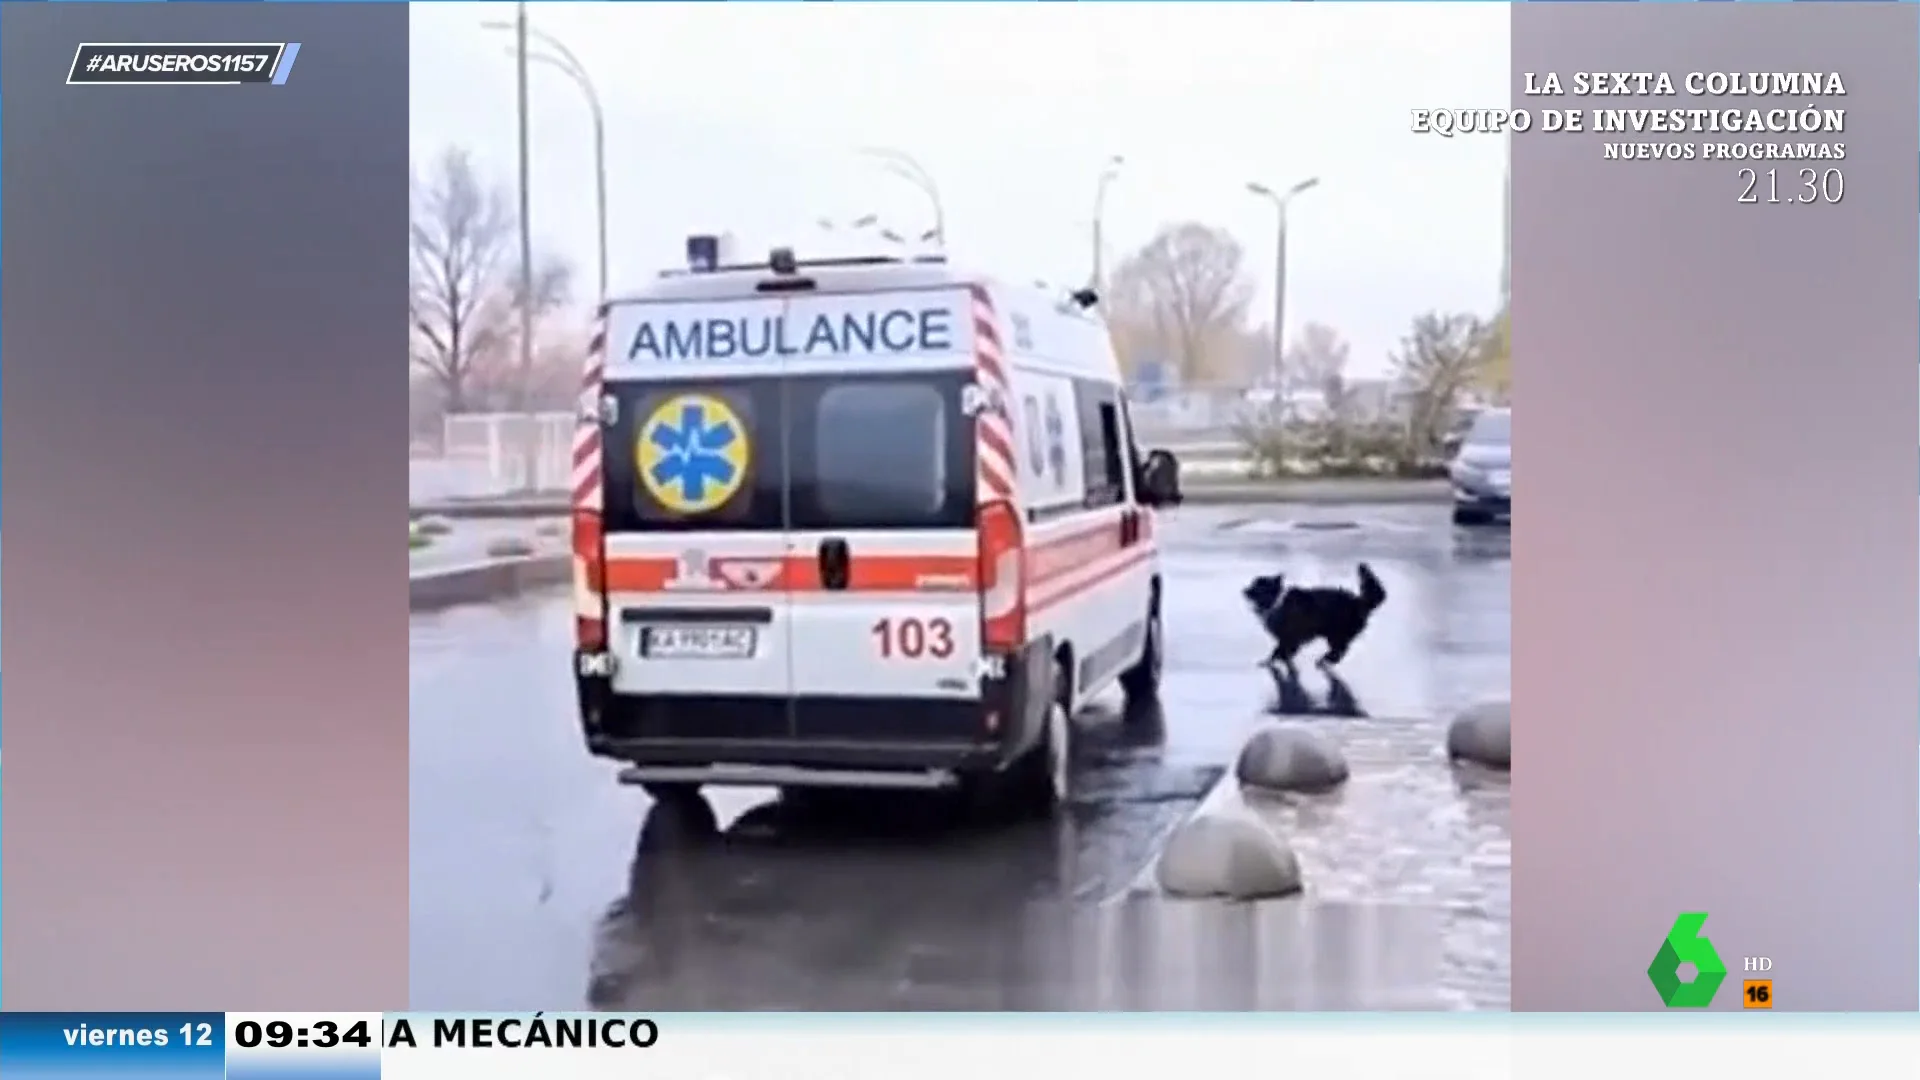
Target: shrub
column 1334, row 447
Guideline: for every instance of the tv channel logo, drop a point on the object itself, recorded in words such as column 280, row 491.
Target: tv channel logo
column 1685, row 944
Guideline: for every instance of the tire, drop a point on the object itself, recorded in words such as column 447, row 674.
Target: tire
column 1141, row 682
column 679, row 818
column 671, row 792
column 1464, row 516
column 1041, row 782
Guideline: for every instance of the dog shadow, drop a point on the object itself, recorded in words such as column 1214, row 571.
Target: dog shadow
column 1292, row 699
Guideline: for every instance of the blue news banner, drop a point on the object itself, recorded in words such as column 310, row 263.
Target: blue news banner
column 189, row 1046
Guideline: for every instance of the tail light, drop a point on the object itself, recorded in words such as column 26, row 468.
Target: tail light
column 1003, row 600
column 589, row 598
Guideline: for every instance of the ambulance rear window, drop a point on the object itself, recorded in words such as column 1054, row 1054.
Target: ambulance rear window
column 886, row 453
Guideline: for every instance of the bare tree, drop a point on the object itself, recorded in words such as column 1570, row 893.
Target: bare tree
column 1135, row 343
column 552, row 386
column 1496, row 361
column 459, row 237
column 463, row 288
column 1252, row 356
column 1438, row 362
column 1188, row 284
column 1317, row 361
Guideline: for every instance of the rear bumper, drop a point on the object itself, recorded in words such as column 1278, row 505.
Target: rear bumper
column 741, row 739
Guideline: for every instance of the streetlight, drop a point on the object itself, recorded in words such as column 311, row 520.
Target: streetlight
column 1107, row 176
column 870, row 224
column 1506, row 227
column 1280, row 200
column 562, row 59
column 864, row 221
column 893, row 237
column 902, row 164
column 532, row 464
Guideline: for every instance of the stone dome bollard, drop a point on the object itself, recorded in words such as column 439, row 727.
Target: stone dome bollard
column 1483, row 735
column 1286, row 758
column 1228, row 855
column 432, row 525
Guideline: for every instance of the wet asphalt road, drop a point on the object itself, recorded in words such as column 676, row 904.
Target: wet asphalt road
column 537, row 882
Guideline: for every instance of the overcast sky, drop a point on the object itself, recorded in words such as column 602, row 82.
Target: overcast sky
column 750, row 118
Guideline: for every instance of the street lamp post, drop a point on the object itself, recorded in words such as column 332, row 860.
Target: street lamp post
column 861, row 223
column 563, row 60
column 1506, row 227
column 864, row 225
column 902, row 164
column 526, row 250
column 1280, row 199
column 870, row 224
column 1107, row 176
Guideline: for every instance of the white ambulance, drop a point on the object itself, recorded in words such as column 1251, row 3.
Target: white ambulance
column 860, row 523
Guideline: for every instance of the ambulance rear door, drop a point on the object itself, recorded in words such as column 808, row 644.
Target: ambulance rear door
column 696, row 534
column 885, row 582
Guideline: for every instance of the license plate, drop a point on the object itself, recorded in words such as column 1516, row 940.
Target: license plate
column 697, row 642
column 1501, row 480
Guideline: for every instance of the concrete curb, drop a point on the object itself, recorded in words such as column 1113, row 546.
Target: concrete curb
column 485, row 580
column 1318, row 492
column 1212, row 493
column 492, row 509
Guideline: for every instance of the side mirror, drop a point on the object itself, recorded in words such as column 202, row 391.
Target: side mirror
column 1450, row 443
column 1159, row 481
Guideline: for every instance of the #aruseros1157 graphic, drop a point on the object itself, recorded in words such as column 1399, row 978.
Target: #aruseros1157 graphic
column 200, row 64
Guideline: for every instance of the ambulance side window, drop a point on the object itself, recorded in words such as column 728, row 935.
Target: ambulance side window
column 1101, row 444
column 1132, row 441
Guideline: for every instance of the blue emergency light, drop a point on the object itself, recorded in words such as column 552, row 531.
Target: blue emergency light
column 703, row 253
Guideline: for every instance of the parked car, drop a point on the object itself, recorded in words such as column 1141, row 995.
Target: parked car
column 1482, row 470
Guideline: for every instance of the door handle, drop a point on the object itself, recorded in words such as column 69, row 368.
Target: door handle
column 836, row 563
column 1129, row 528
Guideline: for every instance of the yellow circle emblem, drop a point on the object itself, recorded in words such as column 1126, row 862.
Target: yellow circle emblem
column 693, row 453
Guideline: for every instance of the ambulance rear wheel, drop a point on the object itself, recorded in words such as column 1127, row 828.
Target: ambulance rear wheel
column 1041, row 782
column 1141, row 682
column 680, row 814
column 678, row 796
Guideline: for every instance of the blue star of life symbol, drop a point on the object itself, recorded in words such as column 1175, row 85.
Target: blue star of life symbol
column 694, row 452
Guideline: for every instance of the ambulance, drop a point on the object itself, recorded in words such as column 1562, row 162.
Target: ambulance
column 858, row 523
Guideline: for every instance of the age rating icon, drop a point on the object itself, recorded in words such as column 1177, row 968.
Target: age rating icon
column 1685, row 944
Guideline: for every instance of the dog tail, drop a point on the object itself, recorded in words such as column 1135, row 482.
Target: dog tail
column 1372, row 593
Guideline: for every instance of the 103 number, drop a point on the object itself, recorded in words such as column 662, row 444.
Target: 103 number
column 1809, row 185
column 911, row 639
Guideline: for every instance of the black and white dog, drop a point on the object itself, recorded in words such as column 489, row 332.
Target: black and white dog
column 1296, row 616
